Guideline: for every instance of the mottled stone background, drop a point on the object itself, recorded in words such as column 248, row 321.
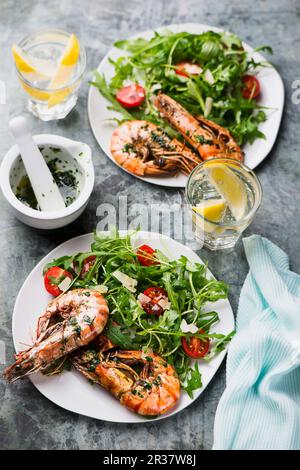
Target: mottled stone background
column 27, row 420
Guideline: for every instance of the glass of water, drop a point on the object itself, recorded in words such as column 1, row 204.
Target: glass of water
column 50, row 66
column 223, row 196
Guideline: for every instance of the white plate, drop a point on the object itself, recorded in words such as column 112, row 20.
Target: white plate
column 272, row 96
column 72, row 391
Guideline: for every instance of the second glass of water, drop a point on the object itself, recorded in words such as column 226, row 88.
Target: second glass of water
column 223, row 195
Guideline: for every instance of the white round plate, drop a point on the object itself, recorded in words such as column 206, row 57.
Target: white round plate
column 272, row 96
column 72, row 391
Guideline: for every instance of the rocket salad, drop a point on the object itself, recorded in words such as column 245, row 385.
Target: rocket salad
column 155, row 303
column 209, row 74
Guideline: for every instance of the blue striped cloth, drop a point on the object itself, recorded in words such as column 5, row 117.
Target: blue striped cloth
column 260, row 407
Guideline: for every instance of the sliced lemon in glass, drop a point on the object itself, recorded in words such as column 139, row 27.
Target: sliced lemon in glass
column 229, row 186
column 31, row 68
column 213, row 210
column 36, row 94
column 64, row 71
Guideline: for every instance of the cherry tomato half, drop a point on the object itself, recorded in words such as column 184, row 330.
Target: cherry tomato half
column 155, row 294
column 146, row 255
column 195, row 347
column 251, row 87
column 88, row 263
column 185, row 69
column 131, row 96
column 53, row 277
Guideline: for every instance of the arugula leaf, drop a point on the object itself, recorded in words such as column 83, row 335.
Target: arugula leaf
column 193, row 381
column 173, row 296
column 64, row 262
column 220, row 345
column 121, row 337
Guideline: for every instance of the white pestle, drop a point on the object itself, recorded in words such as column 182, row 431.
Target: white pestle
column 45, row 189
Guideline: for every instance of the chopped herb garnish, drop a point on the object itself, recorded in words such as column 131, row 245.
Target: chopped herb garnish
column 157, row 381
column 72, row 321
column 55, row 149
column 88, row 320
column 202, row 140
column 77, row 329
column 127, row 148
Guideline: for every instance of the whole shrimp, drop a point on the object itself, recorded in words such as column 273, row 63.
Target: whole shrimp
column 206, row 137
column 151, row 392
column 69, row 322
column 144, row 149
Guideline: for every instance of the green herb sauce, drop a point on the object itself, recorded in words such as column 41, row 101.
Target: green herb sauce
column 65, row 180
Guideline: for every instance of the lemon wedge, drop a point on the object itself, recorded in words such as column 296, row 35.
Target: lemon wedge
column 66, row 64
column 39, row 95
column 212, row 210
column 31, row 68
column 64, row 71
column 229, row 186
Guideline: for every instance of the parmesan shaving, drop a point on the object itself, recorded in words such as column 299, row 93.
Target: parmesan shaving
column 64, row 284
column 208, row 77
column 188, row 327
column 165, row 304
column 128, row 282
column 143, row 298
column 101, row 288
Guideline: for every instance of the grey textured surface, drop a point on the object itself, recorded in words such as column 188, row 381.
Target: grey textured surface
column 27, row 420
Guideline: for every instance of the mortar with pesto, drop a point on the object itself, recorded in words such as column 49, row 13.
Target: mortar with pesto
column 65, row 170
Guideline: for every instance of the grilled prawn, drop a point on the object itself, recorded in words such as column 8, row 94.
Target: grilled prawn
column 144, row 149
column 151, row 392
column 207, row 138
column 69, row 322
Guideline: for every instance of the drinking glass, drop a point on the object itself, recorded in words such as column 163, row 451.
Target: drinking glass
column 45, row 49
column 223, row 196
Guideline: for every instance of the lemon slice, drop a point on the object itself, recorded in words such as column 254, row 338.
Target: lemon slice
column 64, row 71
column 212, row 210
column 66, row 64
column 31, row 68
column 39, row 95
column 229, row 186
